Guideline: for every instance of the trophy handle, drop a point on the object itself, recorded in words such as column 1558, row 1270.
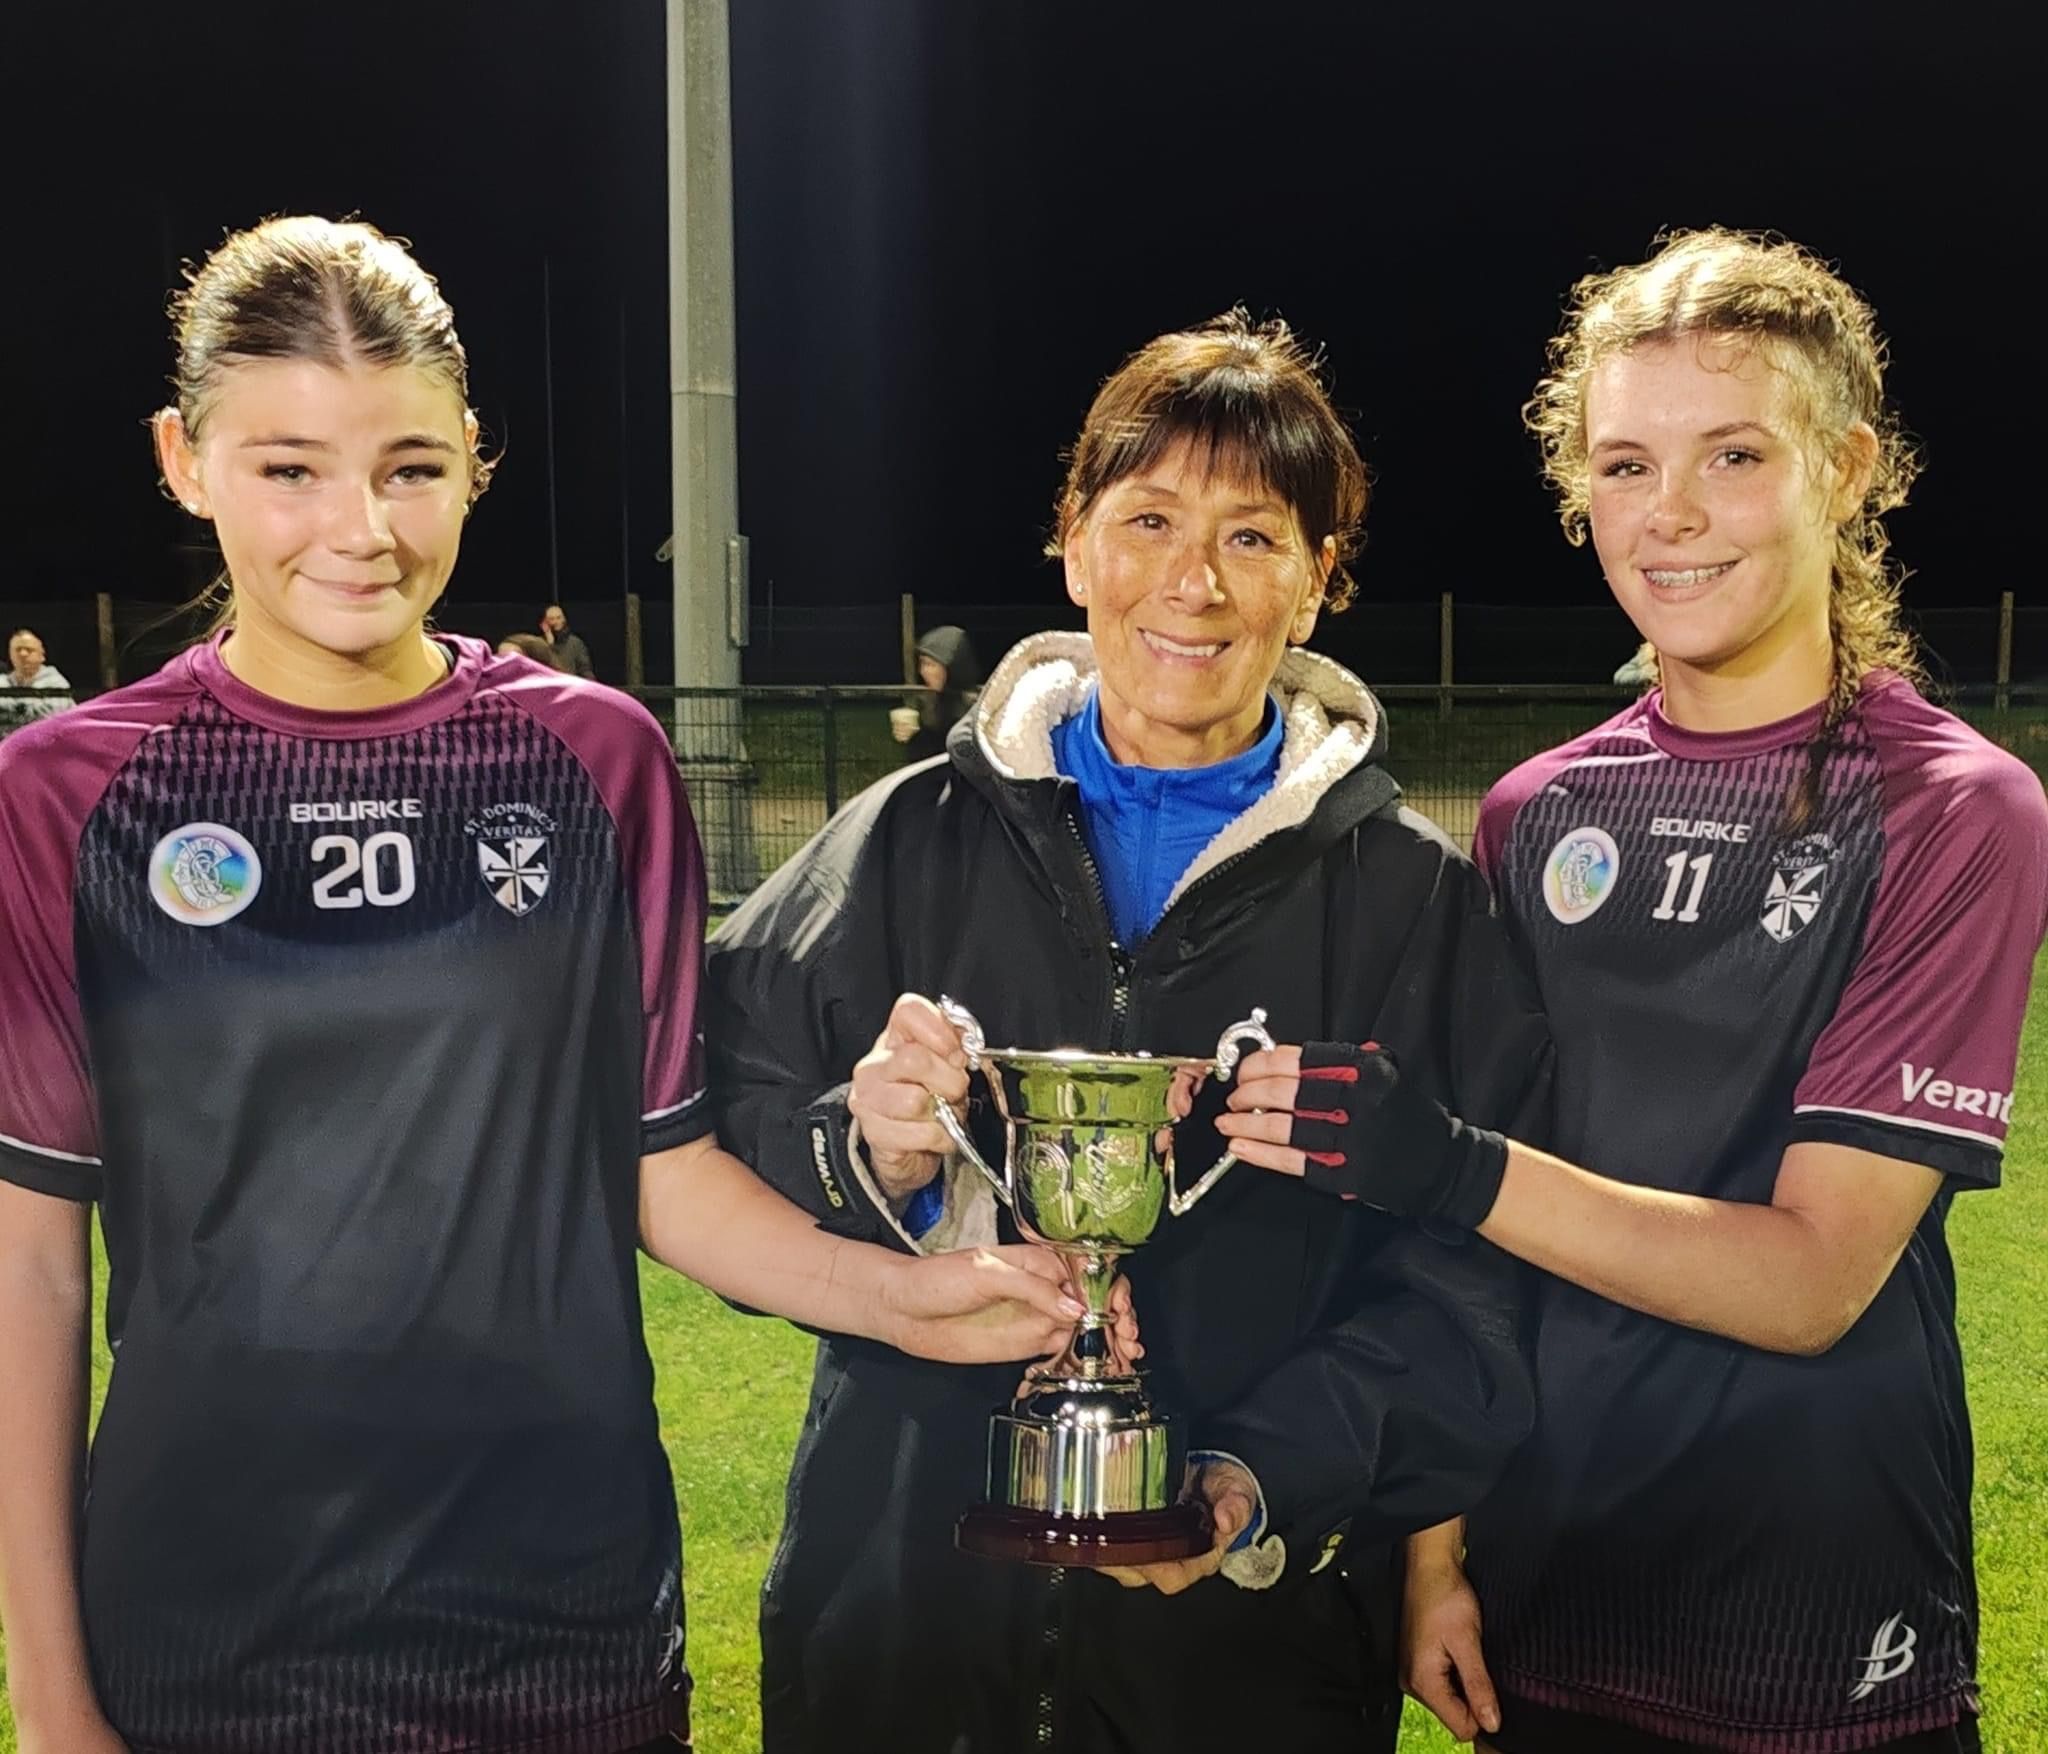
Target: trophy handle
column 976, row 1044
column 1252, row 1028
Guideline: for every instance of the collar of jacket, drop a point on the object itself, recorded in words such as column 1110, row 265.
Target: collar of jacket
column 1333, row 727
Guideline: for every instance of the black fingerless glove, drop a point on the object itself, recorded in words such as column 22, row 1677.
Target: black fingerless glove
column 1370, row 1135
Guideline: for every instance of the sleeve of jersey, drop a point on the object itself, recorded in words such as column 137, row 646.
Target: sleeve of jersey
column 49, row 1137
column 1502, row 803
column 1918, row 1060
column 665, row 875
column 627, row 754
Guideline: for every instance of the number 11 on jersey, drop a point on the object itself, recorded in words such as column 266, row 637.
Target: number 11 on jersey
column 1668, row 908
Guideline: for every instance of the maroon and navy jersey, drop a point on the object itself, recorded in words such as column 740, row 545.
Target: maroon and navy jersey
column 357, row 1025
column 1706, row 1540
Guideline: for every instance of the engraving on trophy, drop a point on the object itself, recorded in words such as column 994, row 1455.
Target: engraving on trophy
column 1086, row 1193
column 1048, row 1178
column 1104, row 1181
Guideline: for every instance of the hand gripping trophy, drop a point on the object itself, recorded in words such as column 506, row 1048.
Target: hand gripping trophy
column 1082, row 1468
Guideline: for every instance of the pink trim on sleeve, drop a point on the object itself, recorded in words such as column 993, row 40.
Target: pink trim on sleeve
column 52, row 776
column 1504, row 800
column 1925, row 1040
column 626, row 753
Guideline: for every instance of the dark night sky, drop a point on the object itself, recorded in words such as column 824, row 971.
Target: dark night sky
column 954, row 216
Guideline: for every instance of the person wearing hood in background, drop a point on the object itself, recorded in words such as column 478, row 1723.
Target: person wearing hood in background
column 1139, row 834
column 571, row 654
column 947, row 666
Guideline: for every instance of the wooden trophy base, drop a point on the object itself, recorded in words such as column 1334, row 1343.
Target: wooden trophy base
column 1128, row 1537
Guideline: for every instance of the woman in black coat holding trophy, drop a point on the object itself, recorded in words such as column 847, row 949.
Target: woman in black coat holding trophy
column 1142, row 834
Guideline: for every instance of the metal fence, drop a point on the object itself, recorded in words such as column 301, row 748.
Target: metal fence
column 766, row 767
column 802, row 752
column 1432, row 640
column 1443, row 639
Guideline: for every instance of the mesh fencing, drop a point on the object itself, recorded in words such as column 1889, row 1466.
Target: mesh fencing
column 1392, row 643
column 767, row 766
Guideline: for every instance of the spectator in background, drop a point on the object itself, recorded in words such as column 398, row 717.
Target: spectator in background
column 29, row 667
column 531, row 645
column 946, row 664
column 571, row 653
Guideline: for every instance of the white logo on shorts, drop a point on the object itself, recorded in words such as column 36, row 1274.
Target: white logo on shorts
column 671, row 1650
column 1890, row 1656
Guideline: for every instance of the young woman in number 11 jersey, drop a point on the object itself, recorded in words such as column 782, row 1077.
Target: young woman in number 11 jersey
column 1783, row 912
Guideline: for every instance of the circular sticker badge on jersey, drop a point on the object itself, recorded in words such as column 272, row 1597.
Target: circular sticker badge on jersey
column 1580, row 874
column 204, row 874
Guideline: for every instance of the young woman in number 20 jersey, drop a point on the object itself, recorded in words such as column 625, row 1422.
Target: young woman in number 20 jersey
column 353, row 973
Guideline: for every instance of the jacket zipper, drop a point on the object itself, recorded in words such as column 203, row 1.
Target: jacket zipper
column 1045, row 1721
column 1119, row 995
column 1119, row 957
column 1044, row 1724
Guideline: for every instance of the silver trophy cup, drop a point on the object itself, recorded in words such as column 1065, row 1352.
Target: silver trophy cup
column 1082, row 1468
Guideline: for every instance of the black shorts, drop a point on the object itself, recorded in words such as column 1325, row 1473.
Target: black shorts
column 1545, row 1729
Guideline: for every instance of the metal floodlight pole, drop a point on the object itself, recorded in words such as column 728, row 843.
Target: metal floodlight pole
column 710, row 554
column 547, row 355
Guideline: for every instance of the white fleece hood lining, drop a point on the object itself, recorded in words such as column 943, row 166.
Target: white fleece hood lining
column 1329, row 724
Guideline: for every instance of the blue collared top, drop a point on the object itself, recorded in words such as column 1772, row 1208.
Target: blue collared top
column 1147, row 825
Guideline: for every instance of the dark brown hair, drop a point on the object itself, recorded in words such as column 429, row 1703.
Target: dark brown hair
column 302, row 287
column 1249, row 400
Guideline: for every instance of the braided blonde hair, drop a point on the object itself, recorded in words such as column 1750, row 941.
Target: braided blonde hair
column 1815, row 327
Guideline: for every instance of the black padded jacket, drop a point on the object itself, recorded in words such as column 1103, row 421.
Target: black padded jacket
column 1372, row 1374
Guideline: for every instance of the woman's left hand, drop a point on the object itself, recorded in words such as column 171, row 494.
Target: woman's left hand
column 1233, row 1497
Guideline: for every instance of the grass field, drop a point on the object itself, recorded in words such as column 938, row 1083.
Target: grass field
column 731, row 1392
